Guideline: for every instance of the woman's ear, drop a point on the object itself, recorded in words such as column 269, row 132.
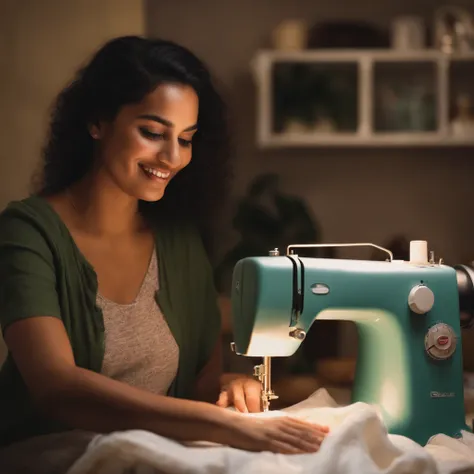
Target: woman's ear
column 94, row 132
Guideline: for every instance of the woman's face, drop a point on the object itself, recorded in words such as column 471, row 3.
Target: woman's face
column 147, row 143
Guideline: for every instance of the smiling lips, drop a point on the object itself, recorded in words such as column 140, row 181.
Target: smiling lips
column 154, row 173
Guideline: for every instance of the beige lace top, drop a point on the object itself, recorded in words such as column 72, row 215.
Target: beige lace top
column 139, row 347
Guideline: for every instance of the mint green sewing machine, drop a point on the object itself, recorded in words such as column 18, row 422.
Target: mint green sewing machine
column 408, row 320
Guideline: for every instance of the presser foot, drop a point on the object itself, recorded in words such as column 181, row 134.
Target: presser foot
column 263, row 374
column 266, row 398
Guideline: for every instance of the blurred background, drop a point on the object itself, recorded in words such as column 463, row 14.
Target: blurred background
column 353, row 121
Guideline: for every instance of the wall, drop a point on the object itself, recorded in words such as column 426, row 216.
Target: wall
column 41, row 44
column 358, row 195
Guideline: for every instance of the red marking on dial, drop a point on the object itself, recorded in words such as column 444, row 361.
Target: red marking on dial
column 442, row 340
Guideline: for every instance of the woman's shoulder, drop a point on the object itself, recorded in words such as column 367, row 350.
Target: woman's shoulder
column 30, row 219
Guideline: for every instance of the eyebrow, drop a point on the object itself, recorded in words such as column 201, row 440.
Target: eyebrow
column 167, row 123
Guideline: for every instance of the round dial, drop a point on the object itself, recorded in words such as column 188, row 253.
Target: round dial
column 421, row 299
column 440, row 341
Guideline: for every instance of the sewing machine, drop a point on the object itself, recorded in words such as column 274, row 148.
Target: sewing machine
column 407, row 315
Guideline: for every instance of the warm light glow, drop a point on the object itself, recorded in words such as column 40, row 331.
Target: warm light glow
column 386, row 373
column 278, row 344
column 390, row 399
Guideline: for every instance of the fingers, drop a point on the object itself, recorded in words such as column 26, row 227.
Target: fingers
column 311, row 434
column 304, row 423
column 310, row 437
column 223, row 401
column 243, row 394
column 279, row 435
column 252, row 397
column 233, row 395
column 298, row 443
column 237, row 397
column 302, row 435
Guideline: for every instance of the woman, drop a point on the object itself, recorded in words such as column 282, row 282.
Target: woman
column 107, row 300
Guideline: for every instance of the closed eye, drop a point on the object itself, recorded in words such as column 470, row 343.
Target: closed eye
column 150, row 135
column 185, row 143
column 159, row 136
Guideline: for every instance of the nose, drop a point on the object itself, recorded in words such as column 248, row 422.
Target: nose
column 170, row 153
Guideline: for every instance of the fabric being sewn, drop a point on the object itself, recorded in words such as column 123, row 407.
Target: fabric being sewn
column 357, row 444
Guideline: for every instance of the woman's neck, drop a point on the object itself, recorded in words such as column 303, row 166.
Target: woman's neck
column 102, row 208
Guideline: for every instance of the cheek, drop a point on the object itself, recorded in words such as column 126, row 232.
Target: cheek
column 126, row 150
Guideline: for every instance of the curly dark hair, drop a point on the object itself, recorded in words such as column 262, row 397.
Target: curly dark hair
column 122, row 72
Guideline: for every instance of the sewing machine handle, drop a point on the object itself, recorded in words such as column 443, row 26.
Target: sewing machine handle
column 301, row 246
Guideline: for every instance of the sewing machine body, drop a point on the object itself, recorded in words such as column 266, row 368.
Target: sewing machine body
column 409, row 358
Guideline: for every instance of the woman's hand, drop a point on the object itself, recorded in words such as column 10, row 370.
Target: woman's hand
column 281, row 434
column 243, row 394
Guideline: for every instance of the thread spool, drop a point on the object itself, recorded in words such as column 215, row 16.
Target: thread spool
column 419, row 251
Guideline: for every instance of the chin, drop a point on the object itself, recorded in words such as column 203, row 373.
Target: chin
column 148, row 191
column 150, row 195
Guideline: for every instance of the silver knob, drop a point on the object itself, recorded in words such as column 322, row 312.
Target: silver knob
column 420, row 299
column 274, row 253
column 298, row 333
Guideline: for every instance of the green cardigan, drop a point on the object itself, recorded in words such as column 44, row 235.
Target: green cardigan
column 42, row 272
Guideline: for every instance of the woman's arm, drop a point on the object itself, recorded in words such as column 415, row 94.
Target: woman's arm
column 84, row 399
column 209, row 380
column 227, row 389
column 87, row 400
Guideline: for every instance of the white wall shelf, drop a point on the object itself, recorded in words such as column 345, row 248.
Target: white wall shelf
column 366, row 98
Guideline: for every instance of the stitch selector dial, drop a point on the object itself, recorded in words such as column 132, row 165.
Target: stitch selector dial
column 440, row 341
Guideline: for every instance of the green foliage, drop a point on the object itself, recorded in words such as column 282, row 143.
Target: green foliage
column 266, row 219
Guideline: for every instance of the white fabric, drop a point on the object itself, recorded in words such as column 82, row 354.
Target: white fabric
column 358, row 444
